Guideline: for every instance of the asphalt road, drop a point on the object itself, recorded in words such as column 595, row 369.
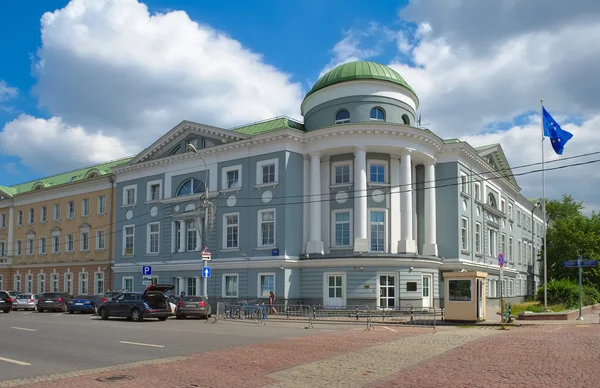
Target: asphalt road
column 38, row 344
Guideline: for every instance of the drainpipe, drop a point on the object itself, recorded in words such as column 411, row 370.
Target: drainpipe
column 111, row 179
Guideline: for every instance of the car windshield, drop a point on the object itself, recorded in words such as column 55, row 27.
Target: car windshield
column 24, row 296
column 192, row 299
column 51, row 295
column 83, row 297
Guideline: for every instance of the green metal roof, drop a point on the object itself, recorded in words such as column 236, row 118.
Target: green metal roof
column 67, row 177
column 356, row 71
column 268, row 126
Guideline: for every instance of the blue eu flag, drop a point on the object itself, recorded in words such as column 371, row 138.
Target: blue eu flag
column 558, row 136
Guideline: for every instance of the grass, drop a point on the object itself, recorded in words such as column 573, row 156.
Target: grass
column 536, row 307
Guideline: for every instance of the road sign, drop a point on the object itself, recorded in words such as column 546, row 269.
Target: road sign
column 206, row 272
column 275, row 252
column 500, row 259
column 146, row 270
column 584, row 263
column 206, row 255
column 146, row 282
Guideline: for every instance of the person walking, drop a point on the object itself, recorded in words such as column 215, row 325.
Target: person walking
column 272, row 302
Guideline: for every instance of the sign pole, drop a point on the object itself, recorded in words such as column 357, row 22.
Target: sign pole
column 501, row 296
column 579, row 267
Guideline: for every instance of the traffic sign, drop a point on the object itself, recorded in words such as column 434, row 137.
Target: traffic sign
column 146, row 270
column 500, row 259
column 206, row 272
column 584, row 263
column 275, row 252
column 206, row 255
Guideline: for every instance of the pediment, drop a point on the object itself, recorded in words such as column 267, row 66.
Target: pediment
column 56, row 229
column 30, row 232
column 85, row 225
column 496, row 159
column 164, row 146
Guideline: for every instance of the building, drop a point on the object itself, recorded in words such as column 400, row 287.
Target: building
column 357, row 205
column 56, row 234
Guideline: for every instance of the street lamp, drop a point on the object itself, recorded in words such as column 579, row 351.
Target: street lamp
column 204, row 202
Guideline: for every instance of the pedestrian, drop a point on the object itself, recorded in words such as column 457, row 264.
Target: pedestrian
column 181, row 295
column 272, row 302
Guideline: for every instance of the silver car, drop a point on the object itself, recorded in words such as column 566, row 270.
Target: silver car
column 25, row 302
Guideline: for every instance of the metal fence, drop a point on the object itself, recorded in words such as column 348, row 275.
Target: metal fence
column 363, row 315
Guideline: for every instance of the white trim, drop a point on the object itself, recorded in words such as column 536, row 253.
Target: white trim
column 258, row 289
column 224, row 180
column 125, row 239
column 98, row 202
column 386, row 172
column 326, row 287
column 56, row 212
column 43, row 247
column 431, row 288
column 1, row 282
column 223, row 285
column 19, row 248
column 3, row 250
column 69, row 215
column 464, row 246
column 54, row 280
column 333, row 224
column 43, row 214
column 259, row 176
column 84, row 231
column 41, row 289
column 65, row 288
column 20, row 218
column 478, row 249
column 96, row 278
column 386, row 225
column 80, row 289
column 89, row 207
column 259, row 231
column 68, row 238
column 124, row 193
column 2, row 220
column 149, row 185
column 31, row 216
column 396, row 287
column 224, row 231
column 123, row 279
column 333, row 172
column 148, row 235
column 17, row 279
column 98, row 248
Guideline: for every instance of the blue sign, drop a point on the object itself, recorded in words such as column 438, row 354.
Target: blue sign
column 275, row 252
column 500, row 259
column 584, row 263
column 205, row 272
column 146, row 270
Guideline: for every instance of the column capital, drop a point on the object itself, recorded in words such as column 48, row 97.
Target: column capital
column 430, row 163
column 395, row 156
column 359, row 148
column 406, row 151
column 315, row 154
column 325, row 158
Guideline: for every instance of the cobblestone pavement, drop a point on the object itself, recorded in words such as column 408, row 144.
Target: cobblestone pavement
column 541, row 356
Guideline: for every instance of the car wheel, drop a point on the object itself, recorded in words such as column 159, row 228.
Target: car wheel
column 6, row 311
column 162, row 318
column 71, row 312
column 136, row 315
column 40, row 310
column 104, row 314
column 14, row 309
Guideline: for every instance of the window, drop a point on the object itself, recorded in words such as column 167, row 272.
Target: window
column 54, row 282
column 71, row 210
column 154, row 190
column 98, row 283
column 17, row 282
column 478, row 238
column 266, row 219
column 85, row 207
column 520, row 252
column 230, row 236
column 267, row 171
column 509, row 254
column 19, row 247
column 477, row 191
column 342, row 172
column 153, row 236
column 377, row 114
column 42, row 245
column 100, row 240
column 102, row 204
column 503, row 244
column 129, row 195
column 56, row 211
column 84, row 244
column 405, row 119
column 56, row 242
column 491, row 200
column 377, row 172
column 128, row 240
column 411, row 286
column 231, row 177
column 266, row 283
column 377, row 224
column 68, row 283
column 20, row 218
column 41, row 283
column 2, row 220
column 1, row 282
column 464, row 234
column 43, row 214
column 31, row 216
column 127, row 283
column 29, row 284
column 230, row 285
column 510, row 211
column 192, row 236
column 518, row 217
column 190, row 186
column 2, row 248
column 459, row 290
column 342, row 117
column 70, row 241
column 342, row 228
column 30, row 245
column 191, row 286
column 492, row 242
column 464, row 182
column 192, row 142
column 503, row 205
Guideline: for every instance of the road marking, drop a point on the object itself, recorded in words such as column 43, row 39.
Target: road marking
column 385, row 327
column 23, row 328
column 140, row 344
column 14, row 361
column 57, row 315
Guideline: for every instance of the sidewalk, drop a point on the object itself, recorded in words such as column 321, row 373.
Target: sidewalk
column 493, row 318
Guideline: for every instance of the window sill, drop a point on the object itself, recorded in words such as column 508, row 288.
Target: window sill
column 230, row 250
column 128, row 205
column 341, row 247
column 348, row 185
column 229, row 297
column 378, row 184
column 231, row 190
column 31, row 224
column 30, row 254
column 85, row 216
column 43, row 222
column 152, row 254
column 56, row 221
column 57, row 253
column 464, row 252
column 149, row 202
column 70, row 218
column 100, row 249
column 42, row 254
column 478, row 255
column 84, row 250
column 265, row 247
column 478, row 201
column 465, row 195
column 264, row 185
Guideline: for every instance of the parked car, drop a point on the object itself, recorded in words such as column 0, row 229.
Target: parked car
column 152, row 303
column 81, row 303
column 193, row 306
column 172, row 304
column 99, row 299
column 6, row 302
column 25, row 302
column 11, row 293
column 53, row 301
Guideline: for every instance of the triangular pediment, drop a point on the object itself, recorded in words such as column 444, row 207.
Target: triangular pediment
column 495, row 157
column 30, row 232
column 85, row 225
column 176, row 137
column 56, row 229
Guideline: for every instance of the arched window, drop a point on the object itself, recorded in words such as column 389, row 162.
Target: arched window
column 342, row 117
column 191, row 186
column 491, row 200
column 377, row 114
column 405, row 119
column 175, row 150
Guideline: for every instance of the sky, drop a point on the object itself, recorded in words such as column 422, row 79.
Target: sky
column 86, row 81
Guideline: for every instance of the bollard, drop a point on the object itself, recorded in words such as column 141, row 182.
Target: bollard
column 314, row 313
column 411, row 314
column 265, row 312
column 287, row 312
column 357, row 313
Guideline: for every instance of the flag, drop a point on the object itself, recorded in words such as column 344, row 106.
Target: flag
column 558, row 136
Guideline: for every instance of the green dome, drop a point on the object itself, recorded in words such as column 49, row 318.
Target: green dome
column 358, row 71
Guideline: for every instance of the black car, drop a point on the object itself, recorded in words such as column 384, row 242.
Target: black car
column 53, row 301
column 6, row 302
column 193, row 306
column 137, row 306
column 100, row 299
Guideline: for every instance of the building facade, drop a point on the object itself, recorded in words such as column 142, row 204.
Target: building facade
column 357, row 205
column 57, row 234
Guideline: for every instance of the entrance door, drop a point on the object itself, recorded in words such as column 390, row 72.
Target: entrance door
column 427, row 297
column 479, row 298
column 387, row 291
column 335, row 286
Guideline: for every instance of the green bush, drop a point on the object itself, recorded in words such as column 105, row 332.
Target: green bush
column 566, row 292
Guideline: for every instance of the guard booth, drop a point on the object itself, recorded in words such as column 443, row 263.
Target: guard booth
column 464, row 296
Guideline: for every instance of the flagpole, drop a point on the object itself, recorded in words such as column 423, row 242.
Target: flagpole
column 544, row 211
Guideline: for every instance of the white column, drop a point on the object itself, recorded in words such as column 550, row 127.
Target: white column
column 430, row 243
column 182, row 238
column 360, row 200
column 198, row 285
column 414, row 198
column 406, row 244
column 395, row 214
column 305, row 202
column 181, row 285
column 9, row 243
column 315, row 243
column 325, row 212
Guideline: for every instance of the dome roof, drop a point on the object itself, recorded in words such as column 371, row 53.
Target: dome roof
column 359, row 70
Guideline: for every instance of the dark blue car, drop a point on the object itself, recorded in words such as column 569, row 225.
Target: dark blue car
column 81, row 303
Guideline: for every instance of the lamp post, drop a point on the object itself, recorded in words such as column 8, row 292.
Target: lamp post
column 204, row 201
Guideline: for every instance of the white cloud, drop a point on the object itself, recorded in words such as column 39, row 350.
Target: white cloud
column 348, row 49
column 6, row 92
column 111, row 70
